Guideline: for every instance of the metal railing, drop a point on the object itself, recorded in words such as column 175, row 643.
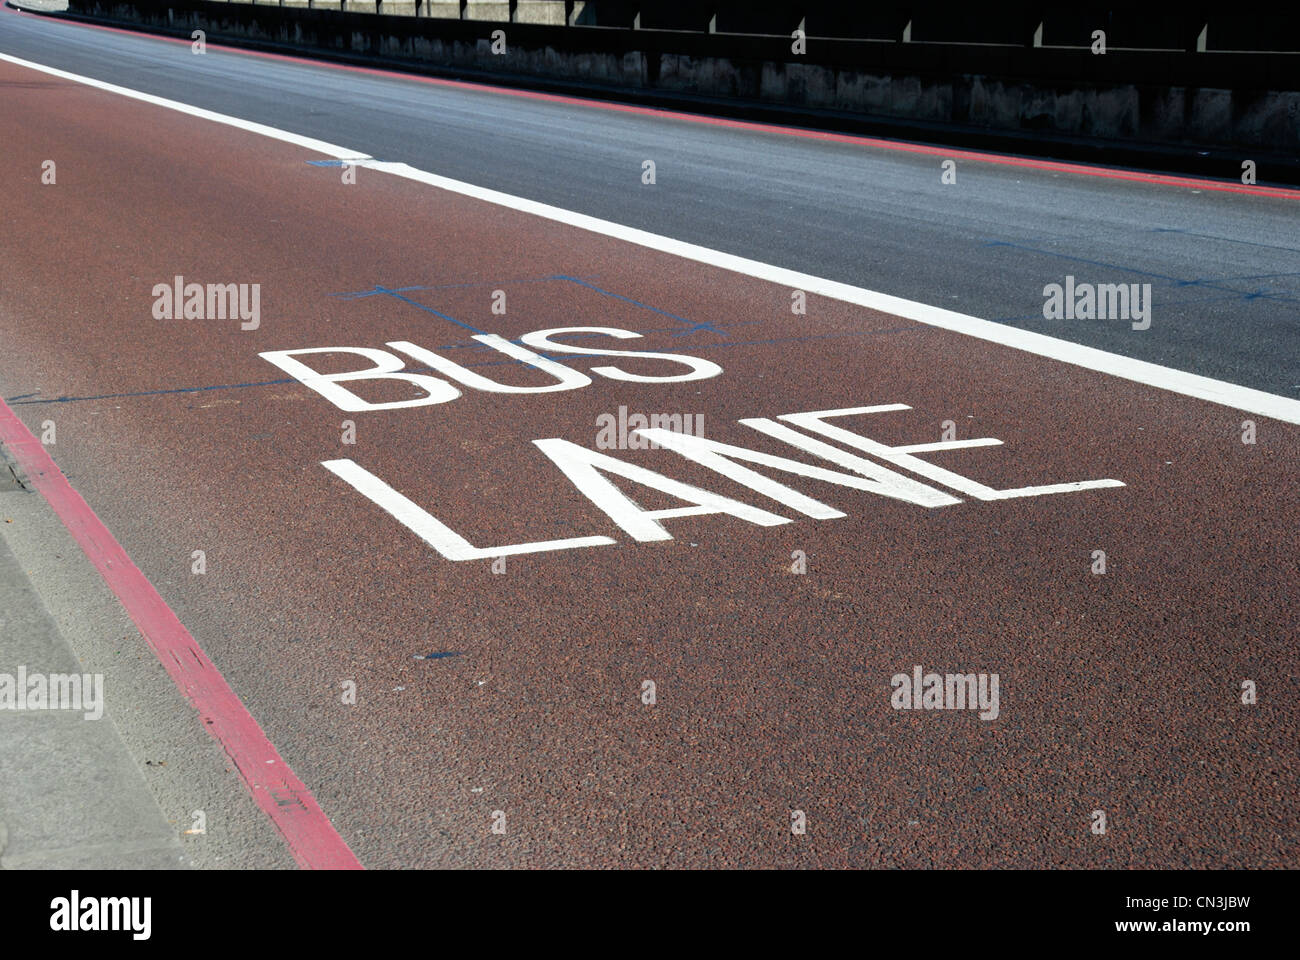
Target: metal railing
column 1190, row 27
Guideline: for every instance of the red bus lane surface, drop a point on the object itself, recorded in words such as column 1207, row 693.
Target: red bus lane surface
column 571, row 648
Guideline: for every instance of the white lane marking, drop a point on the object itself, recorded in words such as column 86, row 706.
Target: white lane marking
column 814, row 422
column 872, row 477
column 1151, row 374
column 586, row 470
column 433, row 531
column 948, row 445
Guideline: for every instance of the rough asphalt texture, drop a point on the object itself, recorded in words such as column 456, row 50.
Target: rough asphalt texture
column 1119, row 692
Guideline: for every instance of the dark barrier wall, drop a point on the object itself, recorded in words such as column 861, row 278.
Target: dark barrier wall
column 1171, row 100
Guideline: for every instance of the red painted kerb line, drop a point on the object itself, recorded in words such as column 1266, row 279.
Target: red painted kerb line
column 311, row 838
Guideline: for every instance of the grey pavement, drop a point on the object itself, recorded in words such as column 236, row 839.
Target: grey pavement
column 123, row 791
column 71, row 795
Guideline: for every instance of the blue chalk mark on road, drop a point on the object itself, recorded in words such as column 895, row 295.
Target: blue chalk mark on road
column 487, row 363
column 151, row 393
column 374, row 292
column 691, row 327
column 396, row 294
column 1211, row 236
column 1217, row 285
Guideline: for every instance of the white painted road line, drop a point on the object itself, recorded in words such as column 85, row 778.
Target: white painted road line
column 1154, row 375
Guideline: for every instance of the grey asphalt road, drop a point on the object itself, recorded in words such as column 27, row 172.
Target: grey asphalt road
column 1224, row 268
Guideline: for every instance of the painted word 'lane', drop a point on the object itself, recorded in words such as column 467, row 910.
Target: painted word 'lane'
column 587, row 470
